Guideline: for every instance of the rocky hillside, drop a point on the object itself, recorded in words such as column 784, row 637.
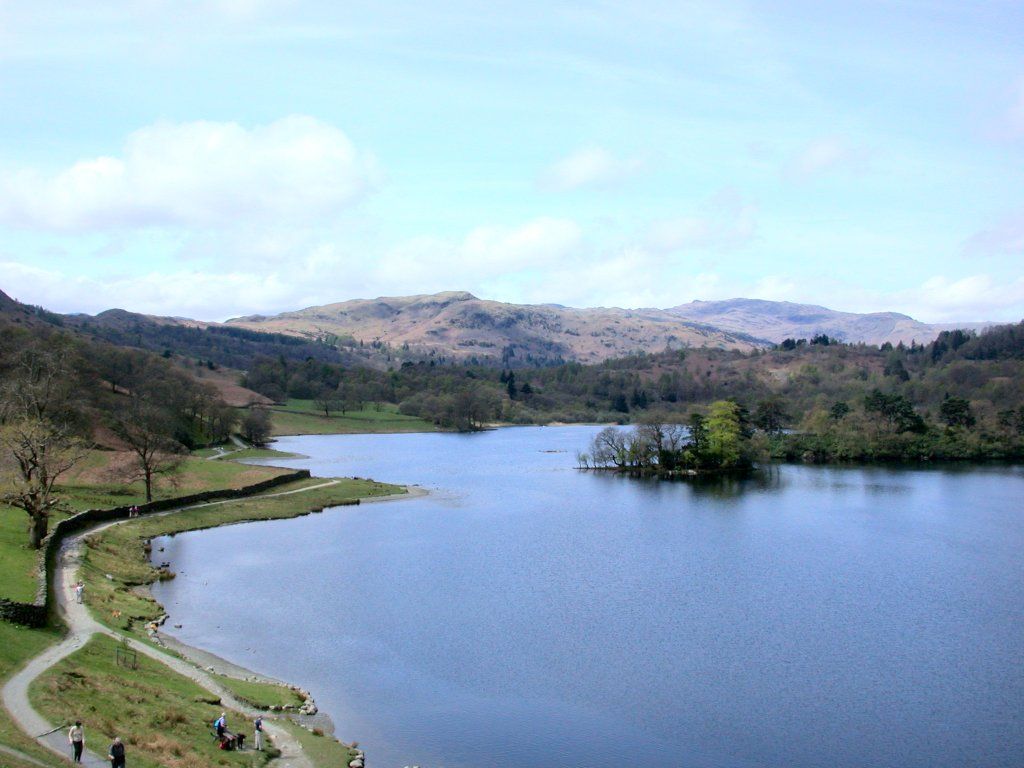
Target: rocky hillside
column 778, row 320
column 458, row 325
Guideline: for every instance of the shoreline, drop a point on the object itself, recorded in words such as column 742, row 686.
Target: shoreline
column 211, row 662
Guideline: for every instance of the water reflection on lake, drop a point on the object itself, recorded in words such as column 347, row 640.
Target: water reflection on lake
column 528, row 614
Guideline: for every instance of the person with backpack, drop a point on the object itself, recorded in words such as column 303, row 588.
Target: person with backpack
column 258, row 736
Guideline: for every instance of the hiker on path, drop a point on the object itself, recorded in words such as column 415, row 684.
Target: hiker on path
column 76, row 738
column 221, row 724
column 258, row 737
column 116, row 753
column 79, row 589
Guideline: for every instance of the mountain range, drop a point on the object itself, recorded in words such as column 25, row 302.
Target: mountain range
column 458, row 326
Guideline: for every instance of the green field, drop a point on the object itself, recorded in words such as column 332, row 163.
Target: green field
column 301, row 417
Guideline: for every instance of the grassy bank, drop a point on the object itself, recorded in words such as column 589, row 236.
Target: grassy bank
column 302, row 417
column 119, row 550
column 260, row 695
column 260, row 453
column 322, row 750
column 163, row 718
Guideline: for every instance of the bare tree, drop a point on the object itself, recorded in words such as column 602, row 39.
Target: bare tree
column 609, row 448
column 38, row 434
column 36, row 453
column 147, row 428
column 329, row 400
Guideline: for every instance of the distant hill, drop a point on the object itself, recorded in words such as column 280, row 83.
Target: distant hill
column 456, row 326
column 459, row 326
column 778, row 320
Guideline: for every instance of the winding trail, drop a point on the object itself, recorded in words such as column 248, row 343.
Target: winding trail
column 82, row 627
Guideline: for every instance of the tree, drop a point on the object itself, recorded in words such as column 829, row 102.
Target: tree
column 36, row 453
column 838, row 410
column 327, row 400
column 770, row 416
column 147, row 428
column 725, row 434
column 38, row 432
column 256, row 425
column 898, row 412
column 956, row 412
column 609, row 448
column 698, row 433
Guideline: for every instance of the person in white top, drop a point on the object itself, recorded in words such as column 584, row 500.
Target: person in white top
column 76, row 738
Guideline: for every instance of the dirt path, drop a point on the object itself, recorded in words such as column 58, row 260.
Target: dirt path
column 81, row 628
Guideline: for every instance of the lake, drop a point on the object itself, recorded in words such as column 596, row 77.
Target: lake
column 528, row 614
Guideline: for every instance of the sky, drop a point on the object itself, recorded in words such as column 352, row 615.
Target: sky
column 214, row 158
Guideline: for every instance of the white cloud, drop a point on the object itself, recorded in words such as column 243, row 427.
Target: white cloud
column 199, row 174
column 193, row 294
column 484, row 253
column 823, row 155
column 725, row 221
column 589, row 167
column 976, row 297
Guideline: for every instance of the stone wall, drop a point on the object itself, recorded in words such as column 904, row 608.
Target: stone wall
column 35, row 614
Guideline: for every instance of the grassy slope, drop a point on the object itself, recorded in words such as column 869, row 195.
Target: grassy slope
column 91, row 487
column 163, row 718
column 17, row 646
column 301, row 417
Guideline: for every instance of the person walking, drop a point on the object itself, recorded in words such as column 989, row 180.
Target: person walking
column 79, row 589
column 221, row 724
column 116, row 753
column 258, row 727
column 76, row 738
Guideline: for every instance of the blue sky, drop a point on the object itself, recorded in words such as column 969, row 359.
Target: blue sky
column 211, row 158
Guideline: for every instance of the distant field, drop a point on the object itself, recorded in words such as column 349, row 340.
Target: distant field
column 301, row 417
column 98, row 483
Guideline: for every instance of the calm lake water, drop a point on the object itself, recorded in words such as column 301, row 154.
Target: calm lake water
column 527, row 614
